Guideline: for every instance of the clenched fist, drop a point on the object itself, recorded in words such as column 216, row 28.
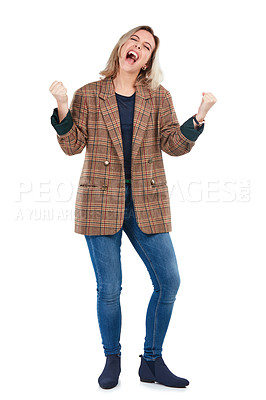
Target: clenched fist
column 208, row 100
column 59, row 92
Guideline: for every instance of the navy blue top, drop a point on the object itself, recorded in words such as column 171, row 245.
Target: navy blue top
column 126, row 106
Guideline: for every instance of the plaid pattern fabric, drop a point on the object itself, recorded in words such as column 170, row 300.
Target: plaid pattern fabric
column 100, row 199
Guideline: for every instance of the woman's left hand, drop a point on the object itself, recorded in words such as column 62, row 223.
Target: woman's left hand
column 208, row 100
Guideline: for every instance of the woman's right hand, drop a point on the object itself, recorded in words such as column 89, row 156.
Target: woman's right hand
column 59, row 92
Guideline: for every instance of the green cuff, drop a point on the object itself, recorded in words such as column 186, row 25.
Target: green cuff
column 65, row 125
column 189, row 131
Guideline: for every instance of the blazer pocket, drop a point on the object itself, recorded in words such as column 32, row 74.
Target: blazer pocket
column 86, row 182
column 160, row 183
column 88, row 185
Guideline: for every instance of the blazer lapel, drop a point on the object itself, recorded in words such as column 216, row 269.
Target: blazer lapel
column 110, row 113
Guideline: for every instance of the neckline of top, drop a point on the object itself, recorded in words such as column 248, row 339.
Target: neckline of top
column 124, row 95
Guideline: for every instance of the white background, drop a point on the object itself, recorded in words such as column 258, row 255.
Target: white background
column 50, row 340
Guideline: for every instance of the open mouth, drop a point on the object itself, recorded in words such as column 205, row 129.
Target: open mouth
column 132, row 56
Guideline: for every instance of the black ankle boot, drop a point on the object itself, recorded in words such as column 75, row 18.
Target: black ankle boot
column 110, row 375
column 157, row 371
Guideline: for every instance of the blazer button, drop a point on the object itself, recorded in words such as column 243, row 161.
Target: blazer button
column 152, row 181
column 104, row 187
column 150, row 161
column 106, row 162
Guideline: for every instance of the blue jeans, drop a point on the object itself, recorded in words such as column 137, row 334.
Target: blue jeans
column 157, row 253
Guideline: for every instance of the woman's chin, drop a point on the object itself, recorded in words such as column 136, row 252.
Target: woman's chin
column 128, row 68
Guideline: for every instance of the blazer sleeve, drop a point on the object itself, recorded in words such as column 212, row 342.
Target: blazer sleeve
column 175, row 140
column 72, row 131
column 190, row 131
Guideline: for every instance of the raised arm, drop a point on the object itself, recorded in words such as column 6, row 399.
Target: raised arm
column 173, row 141
column 71, row 124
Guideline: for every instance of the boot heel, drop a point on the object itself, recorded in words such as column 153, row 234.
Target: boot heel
column 146, row 380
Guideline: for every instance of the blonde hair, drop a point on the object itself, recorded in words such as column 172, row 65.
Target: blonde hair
column 151, row 77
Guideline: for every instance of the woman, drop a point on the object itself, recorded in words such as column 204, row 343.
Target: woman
column 125, row 120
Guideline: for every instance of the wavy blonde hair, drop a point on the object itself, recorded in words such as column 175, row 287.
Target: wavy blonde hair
column 151, row 77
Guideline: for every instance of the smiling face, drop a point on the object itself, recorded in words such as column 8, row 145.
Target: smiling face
column 136, row 51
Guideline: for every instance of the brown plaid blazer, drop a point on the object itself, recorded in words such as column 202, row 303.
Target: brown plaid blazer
column 100, row 199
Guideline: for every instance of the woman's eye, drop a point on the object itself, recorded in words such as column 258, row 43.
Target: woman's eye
column 144, row 46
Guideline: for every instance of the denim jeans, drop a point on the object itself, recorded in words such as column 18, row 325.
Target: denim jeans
column 158, row 255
